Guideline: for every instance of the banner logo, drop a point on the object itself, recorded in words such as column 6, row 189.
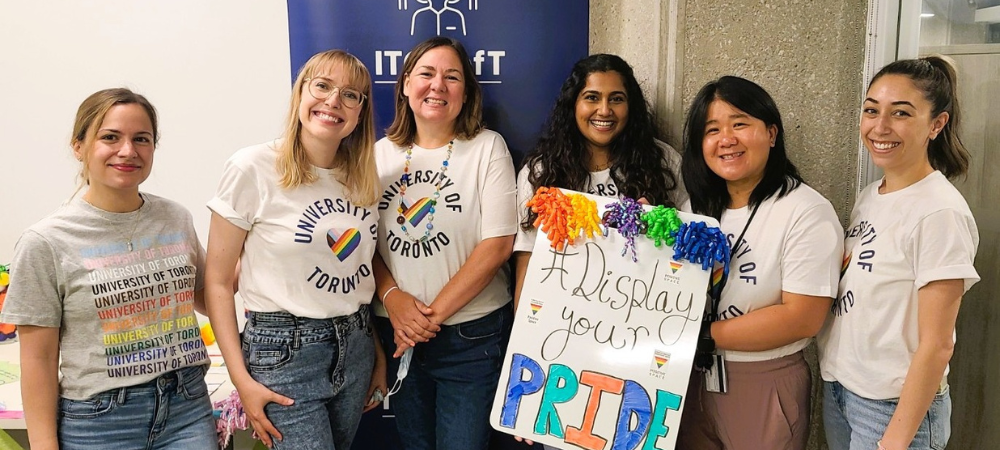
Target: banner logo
column 438, row 11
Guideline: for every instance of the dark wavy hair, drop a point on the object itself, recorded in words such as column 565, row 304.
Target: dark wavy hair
column 936, row 77
column 708, row 191
column 638, row 166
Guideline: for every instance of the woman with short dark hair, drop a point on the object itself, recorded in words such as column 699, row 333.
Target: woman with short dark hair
column 786, row 248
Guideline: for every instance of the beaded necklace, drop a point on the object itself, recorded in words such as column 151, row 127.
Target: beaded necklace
column 423, row 208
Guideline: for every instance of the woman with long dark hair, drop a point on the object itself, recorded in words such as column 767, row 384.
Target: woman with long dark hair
column 601, row 139
column 911, row 244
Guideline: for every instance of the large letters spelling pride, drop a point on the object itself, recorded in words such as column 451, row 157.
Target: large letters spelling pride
column 601, row 350
column 521, row 50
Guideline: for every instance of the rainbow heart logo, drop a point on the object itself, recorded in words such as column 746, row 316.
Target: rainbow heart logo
column 345, row 244
column 416, row 211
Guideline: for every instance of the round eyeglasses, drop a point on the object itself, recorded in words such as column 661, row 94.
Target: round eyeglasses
column 321, row 89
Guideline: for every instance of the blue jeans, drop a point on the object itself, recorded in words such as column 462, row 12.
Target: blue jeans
column 857, row 423
column 171, row 412
column 325, row 365
column 444, row 402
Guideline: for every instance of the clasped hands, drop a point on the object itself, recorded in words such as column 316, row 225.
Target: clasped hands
column 412, row 320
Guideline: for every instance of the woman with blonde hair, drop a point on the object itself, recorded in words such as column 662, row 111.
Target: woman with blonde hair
column 298, row 215
column 104, row 292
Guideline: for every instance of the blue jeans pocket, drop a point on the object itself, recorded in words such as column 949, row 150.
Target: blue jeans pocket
column 484, row 327
column 90, row 408
column 266, row 349
column 939, row 420
column 266, row 357
column 486, row 334
column 194, row 383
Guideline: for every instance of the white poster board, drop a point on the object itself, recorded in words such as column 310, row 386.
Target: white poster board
column 601, row 349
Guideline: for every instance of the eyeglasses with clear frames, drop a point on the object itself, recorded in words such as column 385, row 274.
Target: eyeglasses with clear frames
column 321, row 89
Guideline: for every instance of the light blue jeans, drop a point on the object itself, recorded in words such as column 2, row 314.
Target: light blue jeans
column 325, row 365
column 171, row 412
column 857, row 423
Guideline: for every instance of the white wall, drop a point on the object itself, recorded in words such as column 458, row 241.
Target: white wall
column 217, row 71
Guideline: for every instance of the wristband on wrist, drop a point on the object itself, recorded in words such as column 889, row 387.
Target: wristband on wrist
column 386, row 293
column 707, row 342
column 880, row 446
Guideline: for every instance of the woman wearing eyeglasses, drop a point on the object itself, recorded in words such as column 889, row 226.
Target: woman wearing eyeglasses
column 446, row 230
column 298, row 214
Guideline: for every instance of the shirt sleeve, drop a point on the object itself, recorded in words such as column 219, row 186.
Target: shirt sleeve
column 199, row 279
column 524, row 241
column 814, row 250
column 944, row 245
column 238, row 197
column 499, row 194
column 35, row 294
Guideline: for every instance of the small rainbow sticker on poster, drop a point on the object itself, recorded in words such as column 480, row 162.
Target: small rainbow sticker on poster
column 535, row 306
column 675, row 266
column 660, row 359
column 345, row 244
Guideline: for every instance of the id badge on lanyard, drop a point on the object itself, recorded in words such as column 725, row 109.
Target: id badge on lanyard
column 716, row 377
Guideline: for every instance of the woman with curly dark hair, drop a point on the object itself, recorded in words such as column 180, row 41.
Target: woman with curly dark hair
column 600, row 139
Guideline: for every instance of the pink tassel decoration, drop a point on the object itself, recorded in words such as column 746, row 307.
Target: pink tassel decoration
column 230, row 419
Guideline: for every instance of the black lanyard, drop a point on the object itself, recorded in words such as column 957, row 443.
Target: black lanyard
column 715, row 292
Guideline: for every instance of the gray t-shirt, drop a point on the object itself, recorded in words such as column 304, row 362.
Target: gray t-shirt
column 126, row 313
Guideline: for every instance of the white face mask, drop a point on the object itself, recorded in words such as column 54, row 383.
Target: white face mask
column 404, row 367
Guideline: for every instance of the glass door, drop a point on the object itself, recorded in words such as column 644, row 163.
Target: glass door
column 968, row 31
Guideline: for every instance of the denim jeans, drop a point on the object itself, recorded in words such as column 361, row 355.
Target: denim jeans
column 325, row 365
column 171, row 412
column 444, row 402
column 857, row 423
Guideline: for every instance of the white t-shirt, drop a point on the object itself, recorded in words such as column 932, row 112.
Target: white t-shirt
column 600, row 184
column 792, row 244
column 476, row 202
column 308, row 250
column 896, row 244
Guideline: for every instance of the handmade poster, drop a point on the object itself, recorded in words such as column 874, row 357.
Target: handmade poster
column 602, row 346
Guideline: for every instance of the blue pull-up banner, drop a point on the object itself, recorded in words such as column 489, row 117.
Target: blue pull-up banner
column 522, row 50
